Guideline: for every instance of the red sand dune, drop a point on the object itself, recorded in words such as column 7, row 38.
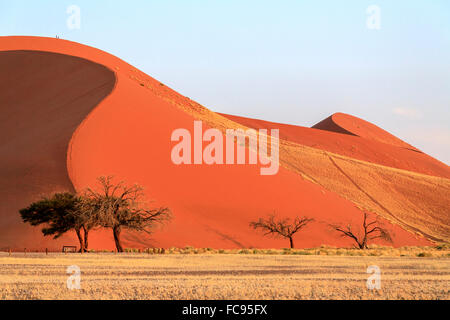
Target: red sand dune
column 348, row 124
column 71, row 113
column 348, row 144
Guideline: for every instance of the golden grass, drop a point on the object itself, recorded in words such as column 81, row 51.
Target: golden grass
column 439, row 251
column 224, row 276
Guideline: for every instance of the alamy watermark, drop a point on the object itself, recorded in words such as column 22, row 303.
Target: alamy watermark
column 73, row 22
column 374, row 17
column 74, row 280
column 374, row 280
column 235, row 140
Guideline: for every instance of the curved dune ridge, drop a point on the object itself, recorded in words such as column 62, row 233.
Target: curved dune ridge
column 71, row 113
column 44, row 96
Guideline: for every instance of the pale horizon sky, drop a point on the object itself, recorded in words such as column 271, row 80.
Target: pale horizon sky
column 293, row 62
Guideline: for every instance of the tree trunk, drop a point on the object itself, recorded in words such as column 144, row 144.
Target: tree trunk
column 86, row 234
column 116, row 232
column 291, row 241
column 364, row 243
column 80, row 238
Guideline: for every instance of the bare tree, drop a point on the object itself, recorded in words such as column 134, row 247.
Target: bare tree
column 283, row 227
column 370, row 231
column 117, row 206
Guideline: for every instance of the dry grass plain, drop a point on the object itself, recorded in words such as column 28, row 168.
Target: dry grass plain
column 225, row 276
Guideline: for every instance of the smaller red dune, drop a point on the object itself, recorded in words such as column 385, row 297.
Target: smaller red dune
column 348, row 124
column 340, row 141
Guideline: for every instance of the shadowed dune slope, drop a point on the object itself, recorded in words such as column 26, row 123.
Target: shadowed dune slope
column 43, row 98
column 128, row 135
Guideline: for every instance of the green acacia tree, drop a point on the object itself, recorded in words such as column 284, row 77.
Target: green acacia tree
column 59, row 214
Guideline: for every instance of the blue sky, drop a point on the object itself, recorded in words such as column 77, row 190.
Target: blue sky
column 287, row 61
